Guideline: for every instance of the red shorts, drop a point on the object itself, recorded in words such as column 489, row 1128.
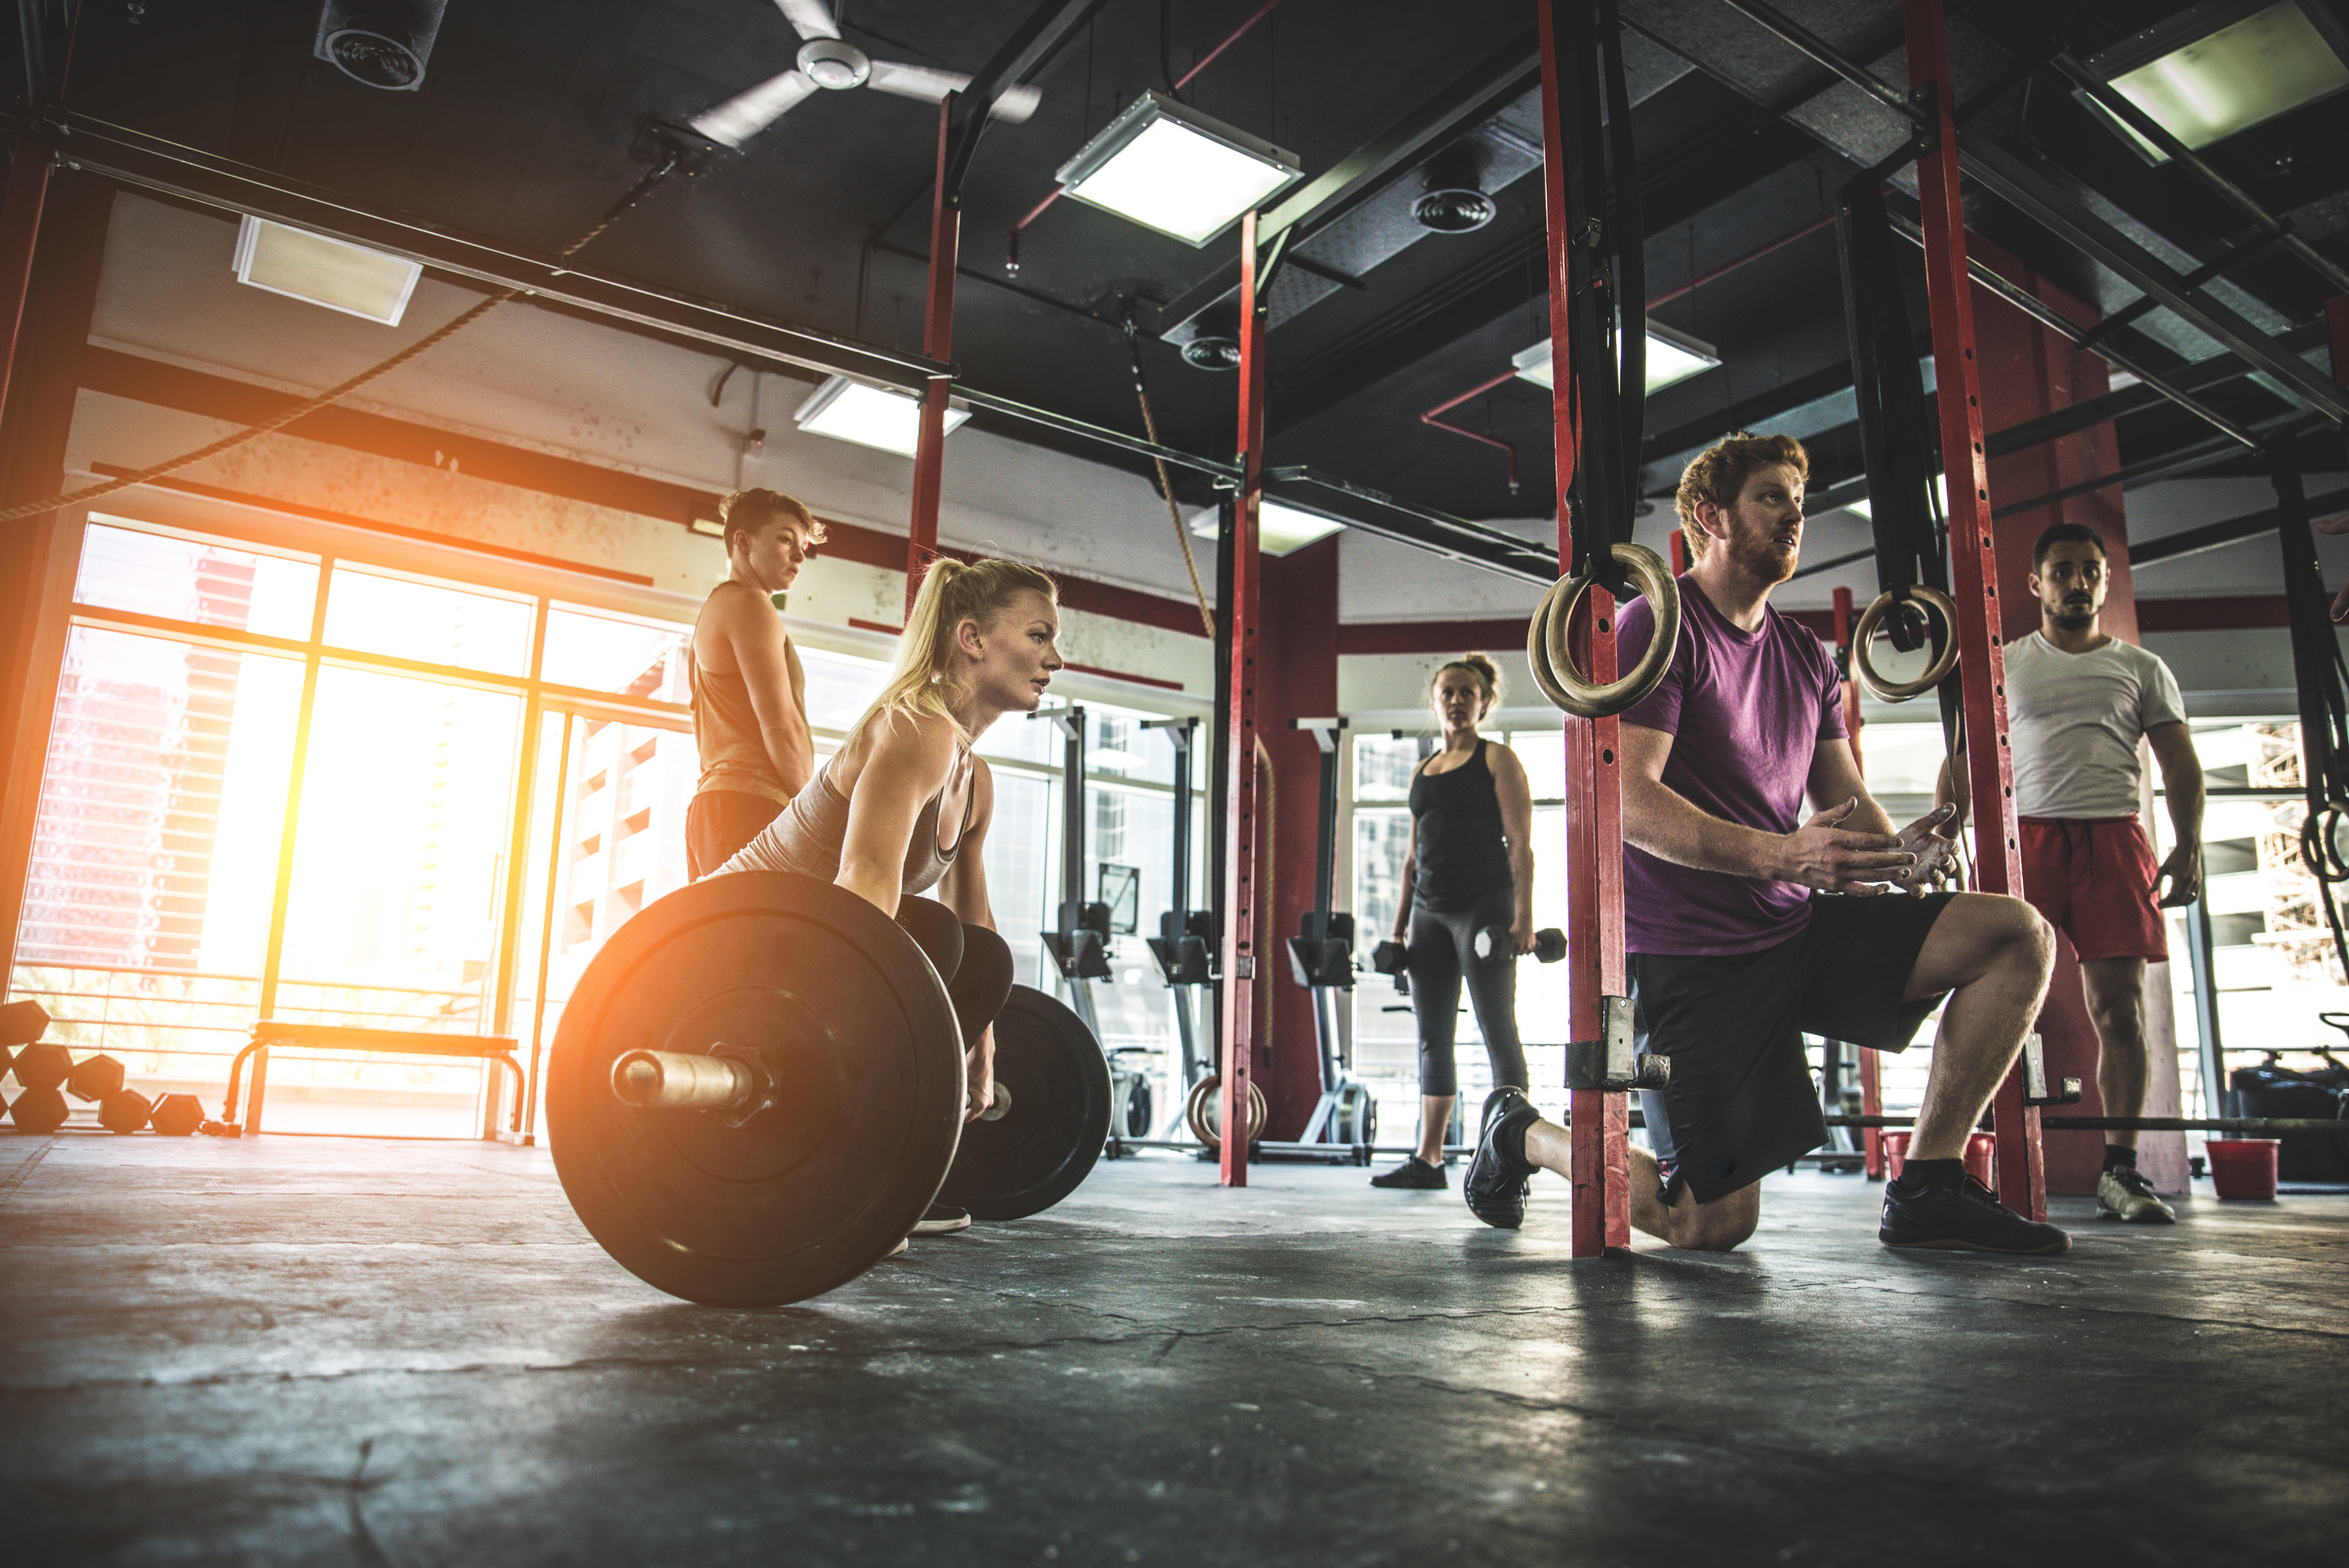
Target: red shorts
column 2094, row 882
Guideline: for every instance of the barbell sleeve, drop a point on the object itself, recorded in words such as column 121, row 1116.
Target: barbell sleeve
column 673, row 1081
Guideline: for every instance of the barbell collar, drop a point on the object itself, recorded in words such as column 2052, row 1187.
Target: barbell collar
column 998, row 1107
column 673, row 1081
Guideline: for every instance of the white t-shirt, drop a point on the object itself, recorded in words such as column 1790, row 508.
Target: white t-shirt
column 2074, row 720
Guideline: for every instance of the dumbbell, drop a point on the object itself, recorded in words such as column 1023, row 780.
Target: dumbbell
column 43, row 1067
column 123, row 1111
column 1388, row 957
column 39, row 1110
column 94, row 1077
column 176, row 1115
column 23, row 1022
column 1493, row 942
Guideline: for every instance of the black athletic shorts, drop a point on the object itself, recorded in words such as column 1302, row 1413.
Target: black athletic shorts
column 1740, row 1103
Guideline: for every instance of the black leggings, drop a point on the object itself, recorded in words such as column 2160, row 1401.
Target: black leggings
column 974, row 962
column 1439, row 957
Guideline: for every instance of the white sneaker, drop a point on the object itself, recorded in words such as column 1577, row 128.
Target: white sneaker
column 943, row 1220
column 2124, row 1193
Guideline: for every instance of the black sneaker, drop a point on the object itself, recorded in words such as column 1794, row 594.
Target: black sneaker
column 1498, row 1178
column 1414, row 1175
column 1961, row 1215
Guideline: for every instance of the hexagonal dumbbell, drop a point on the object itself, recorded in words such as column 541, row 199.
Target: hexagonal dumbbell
column 38, row 1110
column 123, row 1110
column 94, row 1077
column 176, row 1115
column 43, row 1067
column 23, row 1022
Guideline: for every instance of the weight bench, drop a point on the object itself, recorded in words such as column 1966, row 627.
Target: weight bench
column 270, row 1031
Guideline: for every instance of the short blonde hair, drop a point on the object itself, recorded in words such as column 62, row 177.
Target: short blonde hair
column 1719, row 472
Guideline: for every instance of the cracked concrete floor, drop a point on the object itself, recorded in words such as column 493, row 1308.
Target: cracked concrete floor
column 316, row 1351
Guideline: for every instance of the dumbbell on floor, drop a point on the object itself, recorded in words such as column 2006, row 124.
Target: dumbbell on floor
column 176, row 1115
column 1493, row 942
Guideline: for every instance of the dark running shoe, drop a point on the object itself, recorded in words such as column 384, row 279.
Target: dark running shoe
column 1414, row 1175
column 1958, row 1214
column 1498, row 1178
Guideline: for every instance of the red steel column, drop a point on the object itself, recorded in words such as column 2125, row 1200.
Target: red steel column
column 938, row 344
column 1241, row 893
column 1973, row 556
column 1599, row 1124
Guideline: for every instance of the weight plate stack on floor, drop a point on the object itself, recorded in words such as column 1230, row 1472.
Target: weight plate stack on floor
column 1050, row 1134
column 841, row 1008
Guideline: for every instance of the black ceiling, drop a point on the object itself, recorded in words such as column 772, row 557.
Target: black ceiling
column 522, row 133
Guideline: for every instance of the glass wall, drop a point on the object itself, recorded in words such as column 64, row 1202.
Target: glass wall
column 1386, row 1038
column 411, row 738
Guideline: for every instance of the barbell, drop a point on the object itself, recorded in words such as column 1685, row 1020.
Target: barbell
column 757, row 1089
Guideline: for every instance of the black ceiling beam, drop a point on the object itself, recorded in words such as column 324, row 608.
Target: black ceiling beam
column 1424, row 528
column 2232, row 531
column 1022, row 56
column 1686, row 181
column 2198, row 377
column 1507, row 74
column 152, row 163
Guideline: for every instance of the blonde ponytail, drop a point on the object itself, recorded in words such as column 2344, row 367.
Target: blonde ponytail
column 921, row 681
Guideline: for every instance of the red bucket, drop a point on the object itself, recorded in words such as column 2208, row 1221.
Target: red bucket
column 1981, row 1157
column 2244, row 1167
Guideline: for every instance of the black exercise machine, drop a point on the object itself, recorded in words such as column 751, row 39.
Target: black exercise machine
column 1321, row 960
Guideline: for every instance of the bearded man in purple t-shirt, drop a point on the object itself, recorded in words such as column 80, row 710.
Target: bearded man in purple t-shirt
column 1748, row 925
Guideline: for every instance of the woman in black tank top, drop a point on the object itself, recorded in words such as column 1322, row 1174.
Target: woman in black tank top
column 1470, row 866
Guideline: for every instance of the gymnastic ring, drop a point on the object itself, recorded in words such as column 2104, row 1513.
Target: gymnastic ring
column 2320, row 845
column 1865, row 634
column 1203, row 1097
column 1553, row 659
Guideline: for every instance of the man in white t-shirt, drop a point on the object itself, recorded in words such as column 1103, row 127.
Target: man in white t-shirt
column 2078, row 701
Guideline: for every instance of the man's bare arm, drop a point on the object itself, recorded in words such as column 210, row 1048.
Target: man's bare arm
column 2173, row 753
column 1821, row 854
column 761, row 649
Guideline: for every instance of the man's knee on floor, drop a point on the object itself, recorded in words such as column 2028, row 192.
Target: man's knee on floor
column 1717, row 1226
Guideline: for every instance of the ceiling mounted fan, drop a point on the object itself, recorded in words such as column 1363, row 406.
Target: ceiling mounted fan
column 831, row 62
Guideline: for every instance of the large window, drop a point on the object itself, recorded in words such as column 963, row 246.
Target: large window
column 283, row 784
column 1386, row 1036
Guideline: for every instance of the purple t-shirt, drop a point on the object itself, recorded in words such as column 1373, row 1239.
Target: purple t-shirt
column 1746, row 710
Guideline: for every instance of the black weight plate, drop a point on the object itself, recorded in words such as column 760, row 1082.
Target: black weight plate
column 1038, row 1151
column 807, row 1195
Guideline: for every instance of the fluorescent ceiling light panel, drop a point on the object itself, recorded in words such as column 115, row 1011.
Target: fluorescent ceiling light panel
column 1164, row 166
column 335, row 273
column 1280, row 529
column 1672, row 358
column 2244, row 74
column 870, row 416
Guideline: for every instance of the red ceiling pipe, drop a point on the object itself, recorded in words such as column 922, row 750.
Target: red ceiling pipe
column 1011, row 242
column 1510, row 447
column 938, row 342
column 1665, row 298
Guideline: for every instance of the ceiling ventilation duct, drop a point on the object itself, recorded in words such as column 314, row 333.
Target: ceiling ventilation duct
column 1455, row 202
column 380, row 43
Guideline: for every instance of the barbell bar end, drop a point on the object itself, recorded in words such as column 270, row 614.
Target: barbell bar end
column 673, row 1080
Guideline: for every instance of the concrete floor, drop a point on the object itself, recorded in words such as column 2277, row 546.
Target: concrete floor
column 323, row 1352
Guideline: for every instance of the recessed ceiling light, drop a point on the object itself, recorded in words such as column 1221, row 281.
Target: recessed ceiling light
column 1280, row 529
column 2226, row 79
column 1672, row 358
column 870, row 416
column 335, row 273
column 1167, row 167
